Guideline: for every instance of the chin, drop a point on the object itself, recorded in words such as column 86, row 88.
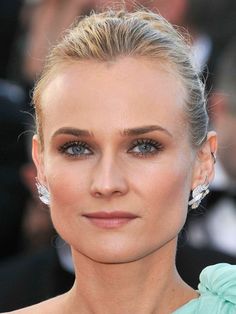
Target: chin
column 116, row 254
column 122, row 258
column 106, row 255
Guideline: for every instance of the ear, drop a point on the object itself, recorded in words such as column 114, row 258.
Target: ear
column 204, row 169
column 37, row 156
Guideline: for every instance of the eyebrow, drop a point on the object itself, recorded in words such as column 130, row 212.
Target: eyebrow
column 126, row 132
column 72, row 131
column 145, row 129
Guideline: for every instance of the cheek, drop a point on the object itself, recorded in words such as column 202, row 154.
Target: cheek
column 68, row 186
column 169, row 179
column 166, row 193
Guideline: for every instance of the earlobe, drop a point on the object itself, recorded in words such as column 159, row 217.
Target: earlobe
column 198, row 194
column 205, row 161
column 37, row 158
column 204, row 170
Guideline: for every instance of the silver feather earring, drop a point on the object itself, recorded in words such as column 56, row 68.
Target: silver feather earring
column 198, row 194
column 43, row 192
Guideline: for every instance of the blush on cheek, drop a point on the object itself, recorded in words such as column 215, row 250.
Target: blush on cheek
column 64, row 193
column 68, row 186
column 169, row 196
column 177, row 200
column 67, row 183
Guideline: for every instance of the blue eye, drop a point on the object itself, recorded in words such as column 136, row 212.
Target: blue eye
column 145, row 147
column 75, row 149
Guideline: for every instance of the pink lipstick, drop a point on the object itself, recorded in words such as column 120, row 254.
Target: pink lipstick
column 110, row 220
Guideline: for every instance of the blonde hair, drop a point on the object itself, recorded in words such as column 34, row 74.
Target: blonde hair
column 106, row 36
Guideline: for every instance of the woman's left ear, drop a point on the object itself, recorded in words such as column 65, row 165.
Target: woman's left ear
column 204, row 168
column 37, row 158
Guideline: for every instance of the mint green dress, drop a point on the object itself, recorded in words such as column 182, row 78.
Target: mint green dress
column 217, row 289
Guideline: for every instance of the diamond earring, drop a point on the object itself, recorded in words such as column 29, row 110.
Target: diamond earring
column 198, row 195
column 43, row 192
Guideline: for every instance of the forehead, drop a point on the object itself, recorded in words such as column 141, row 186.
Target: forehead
column 124, row 93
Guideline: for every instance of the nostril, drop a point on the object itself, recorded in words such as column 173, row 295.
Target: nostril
column 107, row 193
column 97, row 194
column 117, row 192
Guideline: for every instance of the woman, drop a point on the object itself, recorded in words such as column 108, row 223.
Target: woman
column 122, row 140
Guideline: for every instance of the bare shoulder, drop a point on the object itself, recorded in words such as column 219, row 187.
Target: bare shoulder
column 54, row 305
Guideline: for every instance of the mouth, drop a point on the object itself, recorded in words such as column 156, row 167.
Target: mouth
column 110, row 220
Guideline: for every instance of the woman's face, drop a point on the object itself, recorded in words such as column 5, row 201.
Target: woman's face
column 117, row 157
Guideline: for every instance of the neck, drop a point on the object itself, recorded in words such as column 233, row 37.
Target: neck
column 148, row 285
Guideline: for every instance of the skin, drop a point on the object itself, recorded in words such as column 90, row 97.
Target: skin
column 116, row 267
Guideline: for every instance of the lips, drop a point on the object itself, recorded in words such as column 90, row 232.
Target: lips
column 110, row 220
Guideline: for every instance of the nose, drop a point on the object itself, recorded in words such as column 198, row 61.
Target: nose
column 108, row 179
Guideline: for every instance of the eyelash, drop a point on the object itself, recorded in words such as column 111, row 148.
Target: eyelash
column 155, row 148
column 65, row 147
column 153, row 144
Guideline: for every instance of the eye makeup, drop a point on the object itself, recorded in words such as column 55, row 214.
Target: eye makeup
column 142, row 147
